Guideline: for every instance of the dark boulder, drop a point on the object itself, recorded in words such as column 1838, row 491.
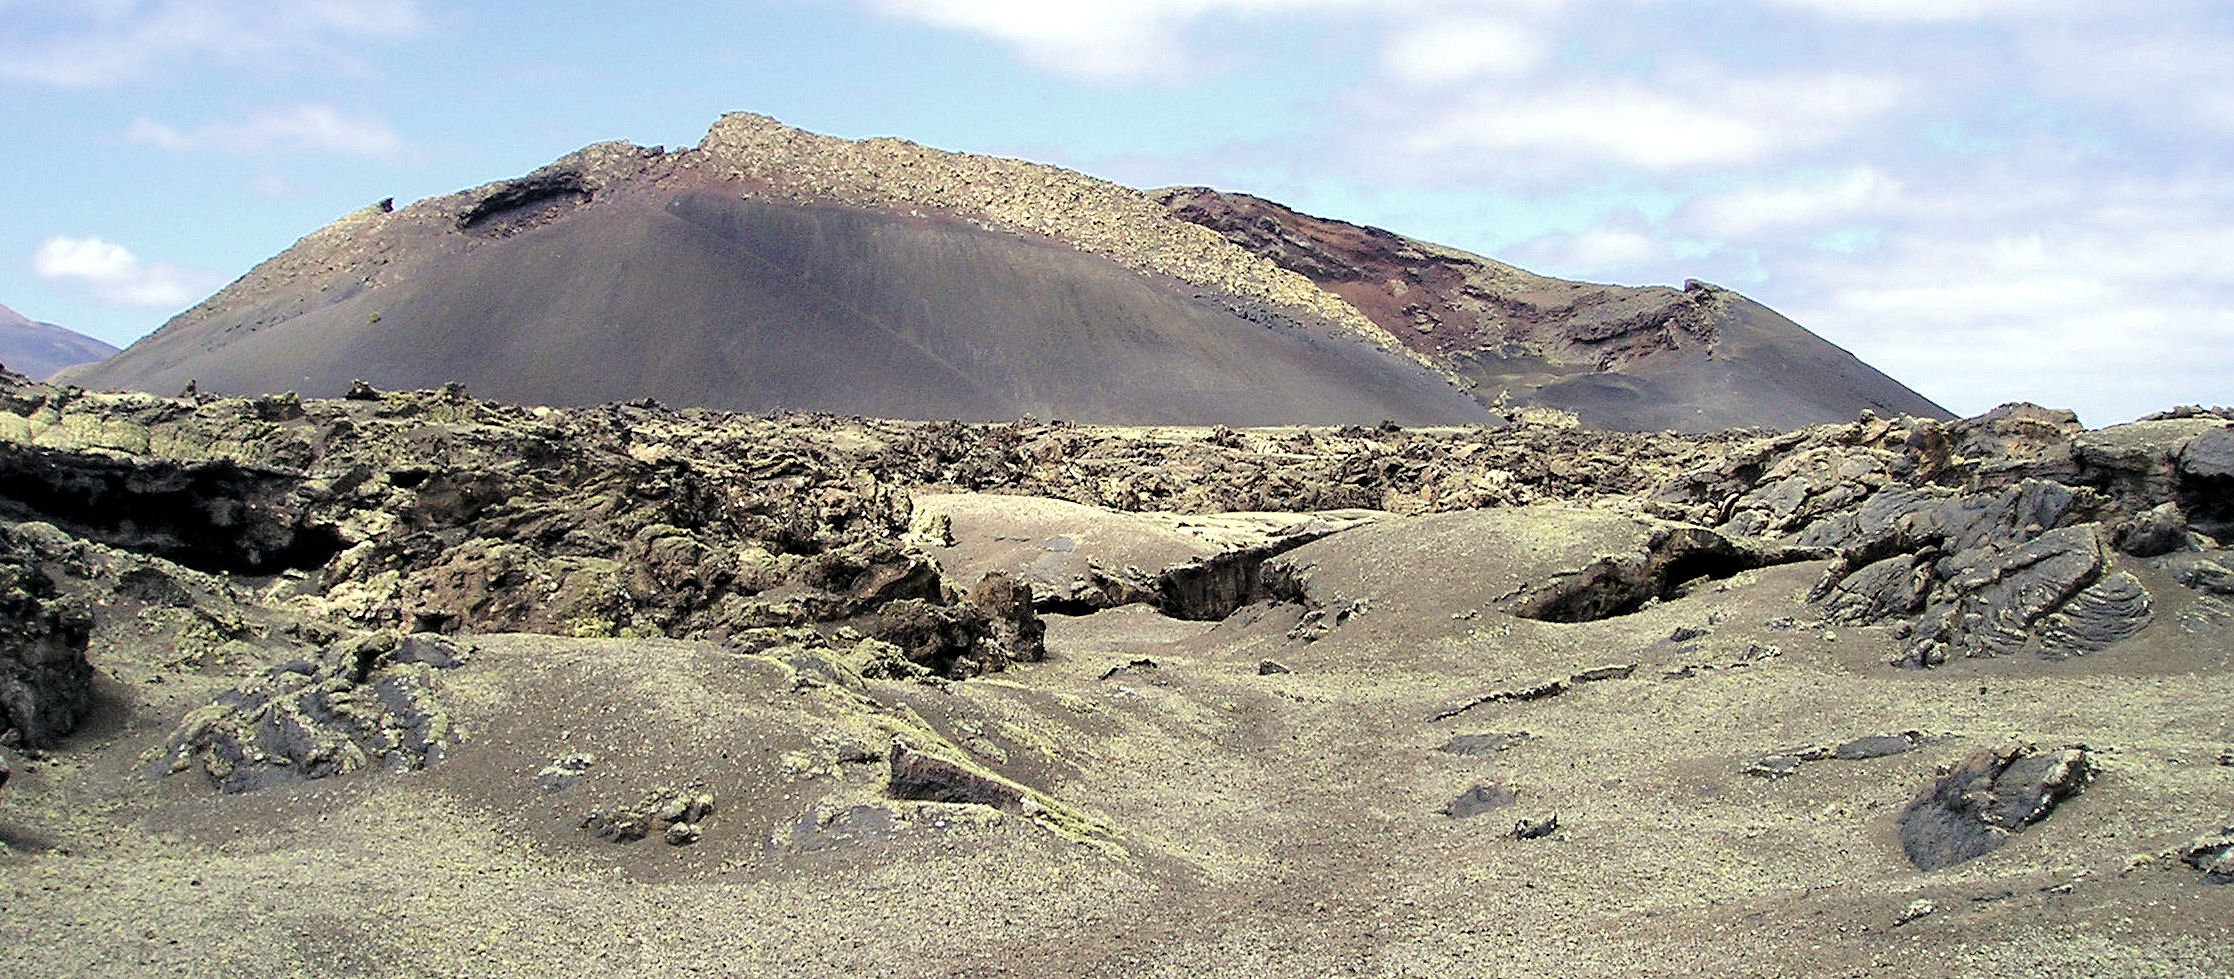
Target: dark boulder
column 1974, row 809
column 2213, row 855
column 2209, row 455
column 2160, row 530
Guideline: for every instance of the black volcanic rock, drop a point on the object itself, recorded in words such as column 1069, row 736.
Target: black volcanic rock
column 46, row 684
column 37, row 350
column 1700, row 358
column 768, row 268
column 1972, row 810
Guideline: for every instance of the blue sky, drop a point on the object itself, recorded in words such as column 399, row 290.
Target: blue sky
column 1992, row 200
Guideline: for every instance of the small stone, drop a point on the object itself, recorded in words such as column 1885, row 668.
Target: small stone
column 1267, row 667
column 674, row 807
column 615, row 828
column 682, row 834
column 1536, row 829
column 1919, row 908
column 2213, row 855
column 1879, row 746
column 564, row 772
column 700, row 808
column 1774, row 767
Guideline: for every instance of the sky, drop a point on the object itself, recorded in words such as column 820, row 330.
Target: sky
column 1991, row 200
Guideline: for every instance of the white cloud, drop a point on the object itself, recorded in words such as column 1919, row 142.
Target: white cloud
column 300, row 129
column 1751, row 212
column 2103, row 296
column 1922, row 11
column 1443, row 52
column 1613, row 251
column 1628, row 124
column 1114, row 39
column 77, row 43
column 1657, row 127
column 113, row 275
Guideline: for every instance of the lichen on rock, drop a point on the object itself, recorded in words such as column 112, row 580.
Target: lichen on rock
column 368, row 702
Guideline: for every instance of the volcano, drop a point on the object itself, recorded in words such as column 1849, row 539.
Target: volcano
column 769, row 269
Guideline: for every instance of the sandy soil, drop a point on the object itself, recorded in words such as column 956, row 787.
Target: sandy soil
column 1194, row 817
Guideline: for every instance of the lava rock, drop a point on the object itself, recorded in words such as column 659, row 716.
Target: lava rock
column 2213, row 855
column 2209, row 455
column 919, row 777
column 2159, row 530
column 2102, row 614
column 1536, row 829
column 1878, row 746
column 677, row 814
column 564, row 773
column 46, row 683
column 1483, row 744
column 1974, row 809
column 357, row 707
column 2203, row 572
column 1480, row 799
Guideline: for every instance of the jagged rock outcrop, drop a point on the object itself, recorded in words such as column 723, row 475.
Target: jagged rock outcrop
column 436, row 512
column 2015, row 531
column 2012, row 531
column 46, row 684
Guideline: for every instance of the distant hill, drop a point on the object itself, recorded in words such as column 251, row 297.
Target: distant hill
column 771, row 268
column 37, row 350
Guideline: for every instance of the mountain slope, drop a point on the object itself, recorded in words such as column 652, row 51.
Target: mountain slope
column 767, row 268
column 37, row 350
column 1695, row 359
